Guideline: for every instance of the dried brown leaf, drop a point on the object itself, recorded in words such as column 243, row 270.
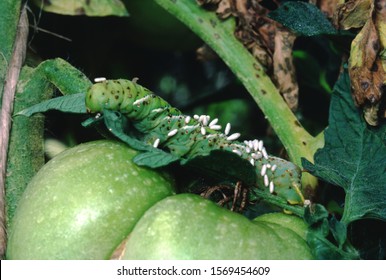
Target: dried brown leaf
column 261, row 54
column 224, row 9
column 371, row 113
column 380, row 24
column 327, row 7
column 353, row 13
column 367, row 66
column 284, row 74
column 362, row 62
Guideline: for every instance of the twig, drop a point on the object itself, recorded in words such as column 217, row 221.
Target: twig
column 10, row 84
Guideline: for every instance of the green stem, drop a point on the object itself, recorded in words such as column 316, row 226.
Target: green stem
column 26, row 151
column 8, row 97
column 219, row 35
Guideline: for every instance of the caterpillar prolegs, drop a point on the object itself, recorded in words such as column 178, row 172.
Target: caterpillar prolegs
column 165, row 127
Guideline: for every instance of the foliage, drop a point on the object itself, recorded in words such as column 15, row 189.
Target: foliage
column 327, row 236
column 83, row 7
column 353, row 157
column 303, row 18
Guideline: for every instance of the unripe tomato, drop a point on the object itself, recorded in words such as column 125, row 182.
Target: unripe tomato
column 83, row 203
column 186, row 226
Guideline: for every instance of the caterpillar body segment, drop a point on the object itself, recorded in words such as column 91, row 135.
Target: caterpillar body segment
column 165, row 127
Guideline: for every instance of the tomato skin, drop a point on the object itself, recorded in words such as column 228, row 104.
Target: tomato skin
column 288, row 221
column 187, row 226
column 83, row 203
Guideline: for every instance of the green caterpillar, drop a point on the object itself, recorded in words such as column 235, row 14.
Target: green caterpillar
column 165, row 127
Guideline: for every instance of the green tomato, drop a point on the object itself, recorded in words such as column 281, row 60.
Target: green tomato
column 288, row 221
column 187, row 226
column 83, row 203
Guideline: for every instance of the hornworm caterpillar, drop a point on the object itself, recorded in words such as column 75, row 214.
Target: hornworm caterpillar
column 165, row 127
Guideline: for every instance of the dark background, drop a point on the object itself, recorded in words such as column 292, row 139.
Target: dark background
column 161, row 52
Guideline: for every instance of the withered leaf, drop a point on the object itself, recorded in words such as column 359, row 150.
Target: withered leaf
column 380, row 24
column 327, row 7
column 363, row 65
column 287, row 86
column 353, row 13
column 83, row 7
column 367, row 66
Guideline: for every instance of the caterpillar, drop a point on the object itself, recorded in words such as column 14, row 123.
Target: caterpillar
column 165, row 127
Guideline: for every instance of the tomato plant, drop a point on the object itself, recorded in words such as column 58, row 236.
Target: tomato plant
column 311, row 76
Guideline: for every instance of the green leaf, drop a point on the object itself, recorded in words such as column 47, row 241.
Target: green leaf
column 84, row 7
column 327, row 236
column 315, row 214
column 73, row 103
column 323, row 249
column 303, row 18
column 152, row 157
column 116, row 124
column 155, row 158
column 339, row 231
column 66, row 78
column 354, row 157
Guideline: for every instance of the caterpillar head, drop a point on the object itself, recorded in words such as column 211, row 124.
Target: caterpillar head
column 291, row 187
column 287, row 180
column 104, row 95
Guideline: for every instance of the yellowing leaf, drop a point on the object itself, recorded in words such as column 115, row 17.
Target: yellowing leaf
column 380, row 23
column 353, row 158
column 367, row 66
column 353, row 13
column 84, row 7
column 364, row 49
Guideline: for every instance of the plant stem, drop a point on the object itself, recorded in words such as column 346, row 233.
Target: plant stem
column 11, row 79
column 26, row 150
column 219, row 36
